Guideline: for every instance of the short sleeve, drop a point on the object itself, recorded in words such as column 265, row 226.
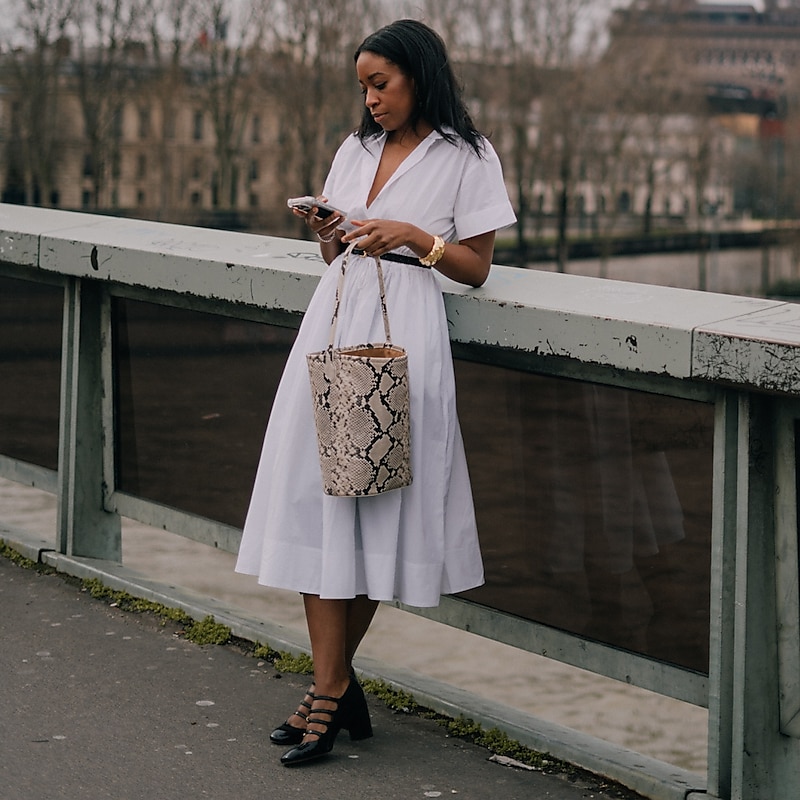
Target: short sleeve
column 339, row 166
column 482, row 203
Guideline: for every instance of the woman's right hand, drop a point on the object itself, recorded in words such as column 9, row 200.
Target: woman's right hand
column 323, row 229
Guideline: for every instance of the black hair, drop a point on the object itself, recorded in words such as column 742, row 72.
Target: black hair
column 419, row 52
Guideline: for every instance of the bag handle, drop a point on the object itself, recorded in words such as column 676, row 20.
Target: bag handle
column 340, row 287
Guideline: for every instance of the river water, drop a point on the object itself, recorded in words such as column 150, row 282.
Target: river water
column 648, row 723
column 741, row 271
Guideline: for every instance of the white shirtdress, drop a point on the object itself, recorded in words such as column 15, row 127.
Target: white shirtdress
column 416, row 543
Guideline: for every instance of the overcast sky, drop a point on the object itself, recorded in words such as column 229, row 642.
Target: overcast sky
column 9, row 9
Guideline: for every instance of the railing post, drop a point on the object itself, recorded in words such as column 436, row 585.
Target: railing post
column 85, row 528
column 764, row 763
column 723, row 587
column 787, row 556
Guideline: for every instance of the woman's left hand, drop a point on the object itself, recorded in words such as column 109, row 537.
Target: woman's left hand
column 378, row 236
column 467, row 261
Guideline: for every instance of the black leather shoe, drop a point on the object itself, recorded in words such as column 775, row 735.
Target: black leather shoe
column 351, row 713
column 287, row 734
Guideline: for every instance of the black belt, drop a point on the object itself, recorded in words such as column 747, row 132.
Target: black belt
column 414, row 262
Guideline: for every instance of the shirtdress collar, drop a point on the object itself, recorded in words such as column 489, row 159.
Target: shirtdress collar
column 375, row 148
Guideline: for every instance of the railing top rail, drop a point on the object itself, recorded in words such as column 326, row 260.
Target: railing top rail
column 751, row 343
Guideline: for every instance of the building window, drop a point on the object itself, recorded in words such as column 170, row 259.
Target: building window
column 141, row 165
column 195, row 200
column 198, row 126
column 254, row 170
column 144, row 123
column 170, row 125
column 197, row 169
column 256, row 137
column 253, row 200
column 140, row 198
column 86, row 199
column 88, row 165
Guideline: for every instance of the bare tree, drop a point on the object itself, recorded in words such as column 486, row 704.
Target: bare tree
column 652, row 81
column 168, row 23
column 314, row 85
column 529, row 97
column 35, row 70
column 567, row 103
column 606, row 152
column 506, row 35
column 226, row 61
column 106, row 29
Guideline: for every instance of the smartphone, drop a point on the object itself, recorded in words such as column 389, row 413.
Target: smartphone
column 324, row 210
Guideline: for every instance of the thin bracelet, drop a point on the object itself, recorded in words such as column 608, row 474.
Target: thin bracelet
column 329, row 239
column 436, row 253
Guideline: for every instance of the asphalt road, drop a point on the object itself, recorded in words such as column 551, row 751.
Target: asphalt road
column 101, row 703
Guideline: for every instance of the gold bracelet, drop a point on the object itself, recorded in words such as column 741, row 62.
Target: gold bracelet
column 436, row 253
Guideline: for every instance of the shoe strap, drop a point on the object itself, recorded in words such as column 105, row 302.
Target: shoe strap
column 305, row 704
column 313, row 719
column 324, row 722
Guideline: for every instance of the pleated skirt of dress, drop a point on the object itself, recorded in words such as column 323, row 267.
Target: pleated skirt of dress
column 412, row 544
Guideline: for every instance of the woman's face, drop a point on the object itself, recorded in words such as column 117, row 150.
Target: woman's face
column 388, row 91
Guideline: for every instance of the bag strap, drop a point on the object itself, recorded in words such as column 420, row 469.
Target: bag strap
column 340, row 288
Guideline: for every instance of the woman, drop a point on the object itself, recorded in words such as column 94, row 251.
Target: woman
column 420, row 187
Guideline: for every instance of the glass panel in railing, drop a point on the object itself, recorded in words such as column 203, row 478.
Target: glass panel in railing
column 30, row 370
column 594, row 508
column 593, row 503
column 194, row 392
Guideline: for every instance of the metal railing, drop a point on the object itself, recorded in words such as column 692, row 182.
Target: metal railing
column 676, row 413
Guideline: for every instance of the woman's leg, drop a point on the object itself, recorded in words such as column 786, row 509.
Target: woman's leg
column 360, row 612
column 336, row 629
column 327, row 629
column 334, row 641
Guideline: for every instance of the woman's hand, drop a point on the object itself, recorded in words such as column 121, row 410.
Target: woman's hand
column 326, row 230
column 378, row 236
column 467, row 261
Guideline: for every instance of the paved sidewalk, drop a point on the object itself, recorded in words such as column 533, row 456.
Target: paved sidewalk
column 100, row 703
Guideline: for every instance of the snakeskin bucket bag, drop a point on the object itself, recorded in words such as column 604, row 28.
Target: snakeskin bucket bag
column 361, row 409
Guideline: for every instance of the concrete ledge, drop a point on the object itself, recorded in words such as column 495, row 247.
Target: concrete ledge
column 647, row 776
column 657, row 330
